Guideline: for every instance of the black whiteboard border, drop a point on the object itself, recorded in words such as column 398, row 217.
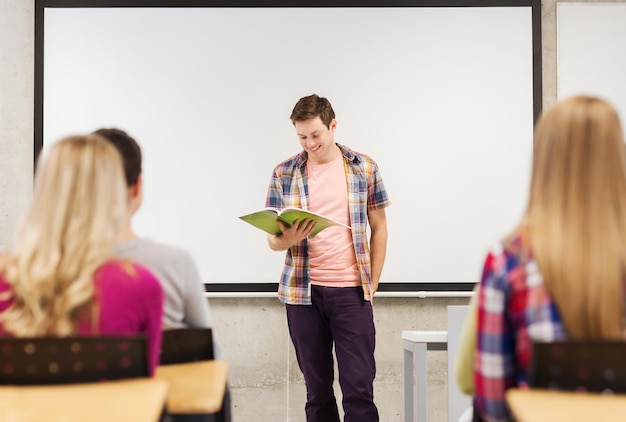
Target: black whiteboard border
column 386, row 287
column 41, row 5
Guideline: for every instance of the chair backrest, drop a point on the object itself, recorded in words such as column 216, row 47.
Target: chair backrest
column 186, row 345
column 595, row 366
column 64, row 360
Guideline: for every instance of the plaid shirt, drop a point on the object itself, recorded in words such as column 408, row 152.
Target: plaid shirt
column 289, row 188
column 514, row 309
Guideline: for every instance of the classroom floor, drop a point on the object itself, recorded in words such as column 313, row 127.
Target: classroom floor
column 267, row 403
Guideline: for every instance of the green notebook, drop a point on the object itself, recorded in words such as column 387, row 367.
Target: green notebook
column 266, row 219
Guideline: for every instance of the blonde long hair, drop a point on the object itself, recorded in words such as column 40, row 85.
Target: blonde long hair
column 75, row 218
column 576, row 214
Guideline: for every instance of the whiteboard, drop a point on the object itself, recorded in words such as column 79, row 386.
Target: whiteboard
column 591, row 51
column 440, row 97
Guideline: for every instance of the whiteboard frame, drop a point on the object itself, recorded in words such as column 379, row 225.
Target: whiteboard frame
column 389, row 289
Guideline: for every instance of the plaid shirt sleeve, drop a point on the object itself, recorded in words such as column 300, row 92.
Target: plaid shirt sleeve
column 494, row 367
column 274, row 198
column 377, row 194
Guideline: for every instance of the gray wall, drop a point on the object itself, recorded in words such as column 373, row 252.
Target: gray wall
column 17, row 40
column 265, row 380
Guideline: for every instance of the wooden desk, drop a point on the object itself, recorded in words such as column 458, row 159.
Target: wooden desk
column 549, row 406
column 195, row 387
column 132, row 400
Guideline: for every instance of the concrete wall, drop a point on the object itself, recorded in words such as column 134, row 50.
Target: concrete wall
column 17, row 40
column 265, row 380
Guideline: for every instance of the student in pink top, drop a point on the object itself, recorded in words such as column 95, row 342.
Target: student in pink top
column 59, row 277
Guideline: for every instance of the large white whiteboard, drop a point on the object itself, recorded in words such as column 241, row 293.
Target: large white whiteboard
column 441, row 97
column 591, row 51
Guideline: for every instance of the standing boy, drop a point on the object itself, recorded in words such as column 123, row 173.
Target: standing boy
column 328, row 282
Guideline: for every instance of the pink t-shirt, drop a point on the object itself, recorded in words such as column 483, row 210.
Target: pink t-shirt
column 331, row 252
column 130, row 300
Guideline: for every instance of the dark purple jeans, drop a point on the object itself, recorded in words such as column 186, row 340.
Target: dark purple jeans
column 339, row 316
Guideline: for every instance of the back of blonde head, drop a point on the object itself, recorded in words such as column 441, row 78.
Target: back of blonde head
column 75, row 218
column 576, row 214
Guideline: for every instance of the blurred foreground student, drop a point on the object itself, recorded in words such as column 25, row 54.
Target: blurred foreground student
column 561, row 273
column 185, row 303
column 60, row 277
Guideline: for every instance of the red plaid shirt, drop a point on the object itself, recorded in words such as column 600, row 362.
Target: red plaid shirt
column 514, row 309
